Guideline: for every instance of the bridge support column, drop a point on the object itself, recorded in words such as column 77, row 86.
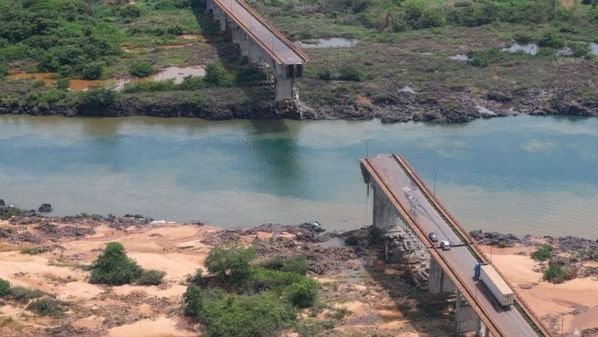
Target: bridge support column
column 385, row 216
column 439, row 282
column 466, row 320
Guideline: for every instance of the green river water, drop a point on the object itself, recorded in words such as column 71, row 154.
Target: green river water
column 536, row 175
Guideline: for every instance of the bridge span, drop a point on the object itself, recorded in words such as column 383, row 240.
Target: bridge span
column 261, row 43
column 401, row 199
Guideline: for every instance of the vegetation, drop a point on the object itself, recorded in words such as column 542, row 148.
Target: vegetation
column 352, row 240
column 141, row 69
column 46, row 307
column 543, row 253
column 114, row 267
column 376, row 236
column 262, row 300
column 4, row 287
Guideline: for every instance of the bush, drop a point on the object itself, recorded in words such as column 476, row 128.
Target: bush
column 150, row 277
column 324, row 74
column 24, row 295
column 352, row 240
column 294, row 264
column 4, row 288
column 141, row 69
column 230, row 264
column 193, row 301
column 218, row 76
column 303, row 294
column 552, row 40
column 63, row 83
column 556, row 274
column 351, row 73
column 92, row 71
column 376, row 236
column 262, row 315
column 522, row 37
column 579, row 49
column 543, row 253
column 98, row 101
column 114, row 267
column 46, row 307
column 267, row 279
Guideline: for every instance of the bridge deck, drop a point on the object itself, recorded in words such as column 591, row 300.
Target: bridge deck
column 403, row 188
column 274, row 43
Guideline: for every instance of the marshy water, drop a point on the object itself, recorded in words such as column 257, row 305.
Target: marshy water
column 523, row 174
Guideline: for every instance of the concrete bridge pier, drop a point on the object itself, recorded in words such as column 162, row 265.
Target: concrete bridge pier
column 439, row 282
column 466, row 320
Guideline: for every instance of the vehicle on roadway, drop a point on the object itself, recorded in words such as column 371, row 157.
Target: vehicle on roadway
column 445, row 245
column 433, row 237
column 497, row 286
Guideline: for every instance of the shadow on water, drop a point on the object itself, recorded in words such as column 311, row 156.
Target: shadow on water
column 273, row 148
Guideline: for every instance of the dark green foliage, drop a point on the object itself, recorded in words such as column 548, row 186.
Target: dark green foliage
column 193, row 301
column 376, row 236
column 46, row 307
column 294, row 264
column 303, row 294
column 262, row 315
column 150, row 277
column 218, row 76
column 3, row 70
column 230, row 264
column 267, row 279
column 324, row 74
column 543, row 253
column 522, row 37
column 351, row 73
column 552, row 40
column 63, row 83
column 352, row 240
column 98, row 101
column 92, row 71
column 141, row 69
column 114, row 267
column 579, row 49
column 24, row 295
column 4, row 288
column 556, row 273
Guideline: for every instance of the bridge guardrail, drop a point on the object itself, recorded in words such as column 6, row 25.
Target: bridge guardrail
column 474, row 246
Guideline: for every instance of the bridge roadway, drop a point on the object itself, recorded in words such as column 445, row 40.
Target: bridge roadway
column 458, row 262
column 269, row 38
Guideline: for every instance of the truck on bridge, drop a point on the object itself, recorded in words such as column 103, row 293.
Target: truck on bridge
column 497, row 286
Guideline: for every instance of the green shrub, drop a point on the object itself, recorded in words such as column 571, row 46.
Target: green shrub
column 150, row 277
column 294, row 264
column 262, row 315
column 552, row 40
column 141, row 69
column 114, row 266
column 63, row 83
column 149, row 86
column 46, row 307
column 98, row 101
column 556, row 273
column 192, row 83
column 193, row 301
column 92, row 71
column 24, row 295
column 303, row 294
column 543, row 253
column 522, row 37
column 351, row 73
column 324, row 74
column 218, row 76
column 3, row 70
column 579, row 49
column 266, row 279
column 230, row 263
column 376, row 236
column 4, row 288
column 352, row 240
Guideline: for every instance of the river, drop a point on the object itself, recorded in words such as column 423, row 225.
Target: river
column 536, row 175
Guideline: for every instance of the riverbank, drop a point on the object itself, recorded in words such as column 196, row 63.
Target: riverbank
column 357, row 289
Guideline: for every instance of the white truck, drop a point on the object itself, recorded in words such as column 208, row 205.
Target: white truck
column 497, row 286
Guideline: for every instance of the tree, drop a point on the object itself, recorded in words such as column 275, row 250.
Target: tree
column 303, row 294
column 193, row 301
column 141, row 69
column 218, row 76
column 114, row 266
column 231, row 263
column 4, row 288
column 92, row 71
